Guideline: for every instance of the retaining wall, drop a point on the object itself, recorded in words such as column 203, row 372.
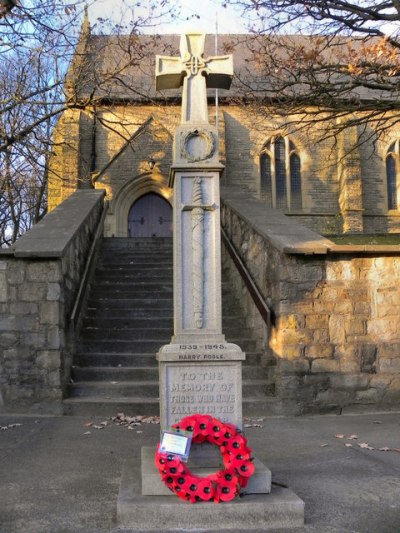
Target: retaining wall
column 39, row 279
column 335, row 336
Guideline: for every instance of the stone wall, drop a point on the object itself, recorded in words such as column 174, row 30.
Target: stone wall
column 336, row 310
column 39, row 279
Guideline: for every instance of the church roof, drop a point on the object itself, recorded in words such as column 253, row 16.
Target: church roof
column 122, row 68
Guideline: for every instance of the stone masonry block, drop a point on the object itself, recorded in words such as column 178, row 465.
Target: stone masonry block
column 369, row 396
column 392, row 393
column 390, row 350
column 355, row 326
column 54, row 341
column 389, row 365
column 48, row 271
column 296, row 366
column 337, row 332
column 16, row 273
column 32, row 291
column 325, row 365
column 23, row 308
column 384, row 329
column 343, row 307
column 296, row 273
column 53, row 292
column 3, row 287
column 317, row 321
column 3, row 265
column 8, row 323
column 48, row 359
column 8, row 339
column 49, row 313
column 356, row 381
column 318, row 351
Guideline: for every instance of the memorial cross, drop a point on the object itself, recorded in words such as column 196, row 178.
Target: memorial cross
column 195, row 73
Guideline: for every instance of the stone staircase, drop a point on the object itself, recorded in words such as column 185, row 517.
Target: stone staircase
column 129, row 316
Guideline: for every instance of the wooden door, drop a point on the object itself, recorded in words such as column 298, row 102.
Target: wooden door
column 150, row 216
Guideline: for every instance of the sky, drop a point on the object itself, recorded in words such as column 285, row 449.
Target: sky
column 202, row 15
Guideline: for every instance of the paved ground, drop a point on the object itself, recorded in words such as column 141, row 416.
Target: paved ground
column 54, row 478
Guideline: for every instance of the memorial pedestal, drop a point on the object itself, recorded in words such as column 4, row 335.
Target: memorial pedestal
column 200, row 378
column 281, row 509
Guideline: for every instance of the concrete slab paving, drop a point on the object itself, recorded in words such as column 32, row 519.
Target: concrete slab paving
column 54, row 478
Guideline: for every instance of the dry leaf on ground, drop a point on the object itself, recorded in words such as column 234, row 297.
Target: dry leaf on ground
column 365, row 446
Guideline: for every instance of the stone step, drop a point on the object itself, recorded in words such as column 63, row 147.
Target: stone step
column 134, row 263
column 125, row 334
column 114, row 359
column 132, row 373
column 118, row 276
column 152, row 332
column 144, row 345
column 132, row 242
column 128, row 318
column 99, row 313
column 106, row 390
column 130, row 303
column 118, row 322
column 142, row 320
column 162, row 290
column 93, row 406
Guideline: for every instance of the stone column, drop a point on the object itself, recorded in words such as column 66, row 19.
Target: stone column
column 199, row 371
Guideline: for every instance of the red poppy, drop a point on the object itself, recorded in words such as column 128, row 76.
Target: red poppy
column 205, row 489
column 203, row 425
column 237, row 444
column 225, row 492
column 174, row 470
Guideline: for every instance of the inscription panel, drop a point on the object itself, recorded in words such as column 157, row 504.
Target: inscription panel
column 213, row 389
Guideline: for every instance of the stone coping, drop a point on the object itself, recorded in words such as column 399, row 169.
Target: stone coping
column 288, row 235
column 51, row 236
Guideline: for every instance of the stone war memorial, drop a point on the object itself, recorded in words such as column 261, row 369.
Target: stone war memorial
column 200, row 373
column 201, row 258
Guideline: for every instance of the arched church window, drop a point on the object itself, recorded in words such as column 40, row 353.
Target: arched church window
column 280, row 174
column 392, row 163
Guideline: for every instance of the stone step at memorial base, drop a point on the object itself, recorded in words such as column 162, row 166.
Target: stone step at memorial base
column 129, row 316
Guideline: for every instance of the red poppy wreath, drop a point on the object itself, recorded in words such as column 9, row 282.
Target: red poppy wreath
column 225, row 484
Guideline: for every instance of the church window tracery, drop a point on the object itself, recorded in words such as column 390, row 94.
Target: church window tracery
column 280, row 174
column 392, row 165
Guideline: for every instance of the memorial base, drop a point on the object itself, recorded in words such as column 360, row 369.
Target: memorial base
column 281, row 509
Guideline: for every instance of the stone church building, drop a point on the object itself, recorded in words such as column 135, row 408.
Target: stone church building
column 323, row 317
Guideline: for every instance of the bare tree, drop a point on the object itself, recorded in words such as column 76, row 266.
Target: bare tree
column 340, row 60
column 44, row 63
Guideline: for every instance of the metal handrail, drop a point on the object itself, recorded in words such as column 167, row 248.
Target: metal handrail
column 85, row 276
column 255, row 294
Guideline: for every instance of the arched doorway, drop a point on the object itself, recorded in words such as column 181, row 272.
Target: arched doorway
column 150, row 216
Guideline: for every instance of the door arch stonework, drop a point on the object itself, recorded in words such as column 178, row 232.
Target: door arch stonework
column 116, row 224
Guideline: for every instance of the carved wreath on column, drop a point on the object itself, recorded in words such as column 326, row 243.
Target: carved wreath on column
column 197, row 145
